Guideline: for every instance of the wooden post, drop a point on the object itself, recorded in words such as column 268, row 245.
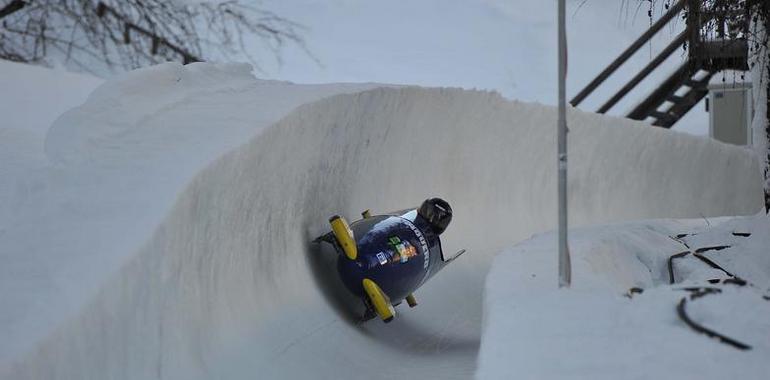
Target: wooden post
column 693, row 26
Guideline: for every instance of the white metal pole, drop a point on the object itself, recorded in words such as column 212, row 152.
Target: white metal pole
column 565, row 272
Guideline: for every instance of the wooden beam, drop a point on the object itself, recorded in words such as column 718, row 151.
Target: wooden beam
column 690, row 99
column 12, row 7
column 657, row 26
column 724, row 54
column 678, row 41
column 666, row 89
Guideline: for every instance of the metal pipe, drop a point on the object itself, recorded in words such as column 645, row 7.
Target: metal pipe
column 565, row 272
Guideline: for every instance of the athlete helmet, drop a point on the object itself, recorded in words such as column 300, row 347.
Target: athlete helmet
column 437, row 213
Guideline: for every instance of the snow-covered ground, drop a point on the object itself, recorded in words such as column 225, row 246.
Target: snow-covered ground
column 214, row 278
column 597, row 329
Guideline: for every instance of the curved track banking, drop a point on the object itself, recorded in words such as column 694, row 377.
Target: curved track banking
column 228, row 286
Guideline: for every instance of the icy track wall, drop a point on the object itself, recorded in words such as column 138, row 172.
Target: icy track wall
column 224, row 290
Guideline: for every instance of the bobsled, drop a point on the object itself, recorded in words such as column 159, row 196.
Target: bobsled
column 384, row 259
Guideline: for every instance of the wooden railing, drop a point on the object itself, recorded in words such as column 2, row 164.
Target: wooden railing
column 710, row 56
column 625, row 55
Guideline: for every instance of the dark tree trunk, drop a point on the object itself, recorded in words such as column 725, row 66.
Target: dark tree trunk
column 764, row 14
column 767, row 129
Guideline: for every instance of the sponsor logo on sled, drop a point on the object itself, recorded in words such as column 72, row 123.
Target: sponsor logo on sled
column 423, row 244
column 382, row 258
column 403, row 250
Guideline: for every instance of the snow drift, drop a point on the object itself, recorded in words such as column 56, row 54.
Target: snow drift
column 224, row 290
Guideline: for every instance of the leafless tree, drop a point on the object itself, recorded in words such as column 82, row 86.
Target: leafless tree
column 761, row 56
column 125, row 34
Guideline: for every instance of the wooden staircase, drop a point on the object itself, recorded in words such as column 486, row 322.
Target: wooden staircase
column 686, row 82
column 686, row 86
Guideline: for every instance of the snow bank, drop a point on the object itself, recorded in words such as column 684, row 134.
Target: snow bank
column 597, row 330
column 120, row 108
column 224, row 289
column 21, row 153
column 128, row 118
column 117, row 163
column 31, row 98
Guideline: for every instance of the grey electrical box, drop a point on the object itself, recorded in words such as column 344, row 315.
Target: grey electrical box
column 730, row 112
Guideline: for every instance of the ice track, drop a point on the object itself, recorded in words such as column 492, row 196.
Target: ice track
column 225, row 289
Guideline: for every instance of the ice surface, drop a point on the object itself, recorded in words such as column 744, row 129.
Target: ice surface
column 223, row 288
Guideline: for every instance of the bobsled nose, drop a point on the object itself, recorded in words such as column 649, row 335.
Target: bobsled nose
column 344, row 236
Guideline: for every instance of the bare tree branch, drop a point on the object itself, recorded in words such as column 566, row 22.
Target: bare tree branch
column 126, row 34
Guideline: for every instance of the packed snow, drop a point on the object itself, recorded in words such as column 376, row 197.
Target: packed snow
column 600, row 329
column 79, row 200
column 214, row 278
column 31, row 98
